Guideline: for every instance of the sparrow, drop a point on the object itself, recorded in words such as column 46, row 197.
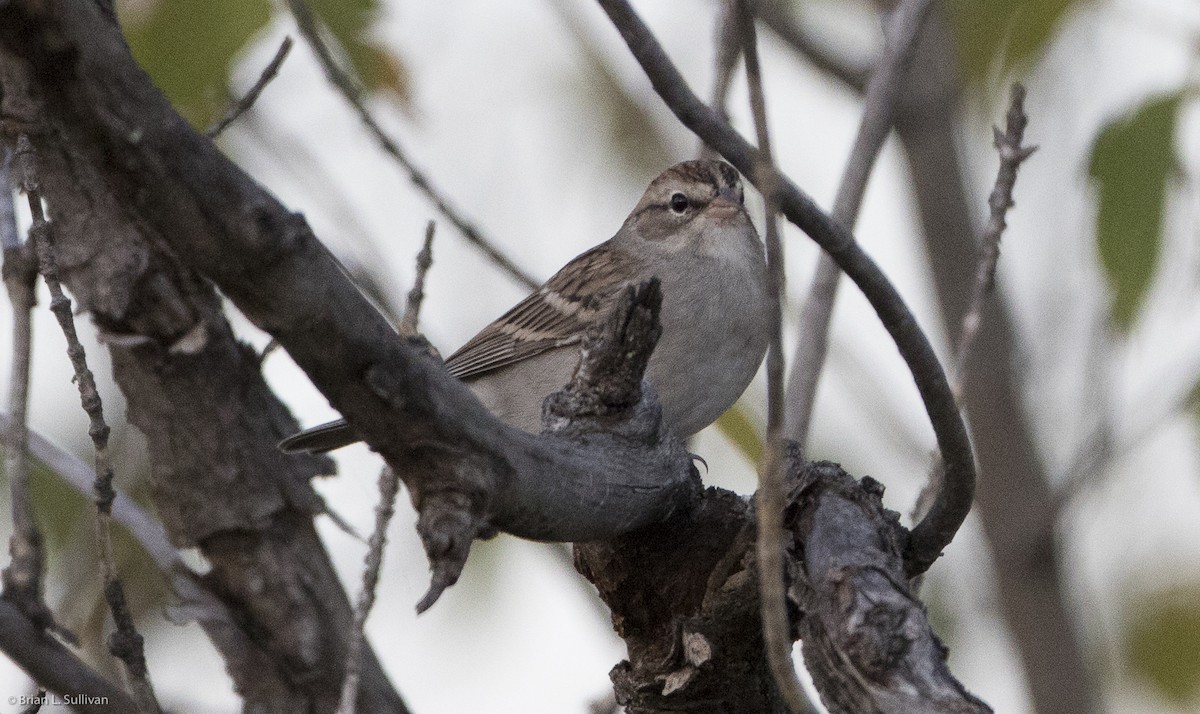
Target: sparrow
column 690, row 230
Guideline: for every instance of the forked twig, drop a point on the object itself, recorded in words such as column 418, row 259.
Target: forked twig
column 1012, row 155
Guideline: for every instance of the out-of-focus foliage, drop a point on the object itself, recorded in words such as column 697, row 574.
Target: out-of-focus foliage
column 1011, row 32
column 188, row 46
column 629, row 127
column 1132, row 160
column 59, row 507
column 377, row 67
column 1163, row 643
column 739, row 428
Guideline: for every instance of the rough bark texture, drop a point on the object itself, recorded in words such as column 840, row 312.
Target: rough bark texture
column 867, row 640
column 684, row 597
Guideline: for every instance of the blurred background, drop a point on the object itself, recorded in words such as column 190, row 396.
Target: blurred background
column 537, row 124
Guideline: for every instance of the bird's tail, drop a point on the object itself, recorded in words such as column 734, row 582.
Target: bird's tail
column 320, row 439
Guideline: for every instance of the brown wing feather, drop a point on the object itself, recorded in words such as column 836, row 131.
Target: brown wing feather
column 558, row 314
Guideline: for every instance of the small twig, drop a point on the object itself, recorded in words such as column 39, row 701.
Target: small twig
column 878, row 108
column 412, row 305
column 23, row 576
column 352, row 92
column 772, row 581
column 241, row 106
column 389, row 486
column 1012, row 154
column 125, row 643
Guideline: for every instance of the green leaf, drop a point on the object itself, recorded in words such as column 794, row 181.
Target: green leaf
column 377, row 68
column 188, row 46
column 737, row 426
column 1163, row 642
column 1011, row 31
column 1131, row 161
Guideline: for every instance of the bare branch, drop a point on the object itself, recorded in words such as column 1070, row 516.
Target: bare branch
column 23, row 576
column 243, row 105
column 412, row 306
column 352, row 92
column 1015, row 503
column 220, row 483
column 954, row 502
column 878, row 110
column 125, row 643
column 1012, row 154
column 777, row 629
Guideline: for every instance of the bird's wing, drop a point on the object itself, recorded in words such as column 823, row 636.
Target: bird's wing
column 558, row 314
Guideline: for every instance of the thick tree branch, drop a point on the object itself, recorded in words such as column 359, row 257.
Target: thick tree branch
column 684, row 597
column 219, row 482
column 867, row 640
column 953, row 503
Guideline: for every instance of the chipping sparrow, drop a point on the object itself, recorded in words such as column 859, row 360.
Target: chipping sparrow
column 690, row 230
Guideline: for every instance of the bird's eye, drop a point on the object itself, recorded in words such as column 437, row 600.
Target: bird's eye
column 741, row 195
column 679, row 202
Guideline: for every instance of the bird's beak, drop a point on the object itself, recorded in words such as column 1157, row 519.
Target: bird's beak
column 726, row 204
